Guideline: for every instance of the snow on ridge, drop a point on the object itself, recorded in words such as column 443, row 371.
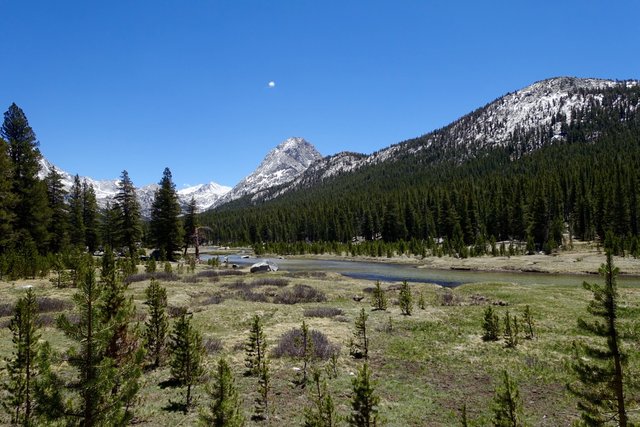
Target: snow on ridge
column 283, row 164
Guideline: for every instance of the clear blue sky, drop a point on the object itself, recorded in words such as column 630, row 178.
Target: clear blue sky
column 140, row 85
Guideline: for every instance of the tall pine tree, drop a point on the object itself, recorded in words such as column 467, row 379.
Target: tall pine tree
column 599, row 366
column 165, row 227
column 90, row 217
column 129, row 226
column 58, row 227
column 6, row 199
column 76, row 214
column 31, row 210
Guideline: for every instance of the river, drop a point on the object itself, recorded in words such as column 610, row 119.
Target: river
column 390, row 272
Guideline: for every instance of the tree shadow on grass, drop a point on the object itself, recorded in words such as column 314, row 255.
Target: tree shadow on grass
column 170, row 383
column 175, row 407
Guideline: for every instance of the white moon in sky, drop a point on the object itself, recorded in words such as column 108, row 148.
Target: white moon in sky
column 271, row 84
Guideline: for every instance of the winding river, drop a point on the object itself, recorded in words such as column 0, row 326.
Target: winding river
column 389, row 272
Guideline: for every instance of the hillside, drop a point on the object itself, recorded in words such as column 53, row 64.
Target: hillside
column 536, row 164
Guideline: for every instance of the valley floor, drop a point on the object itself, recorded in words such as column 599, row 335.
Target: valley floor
column 426, row 365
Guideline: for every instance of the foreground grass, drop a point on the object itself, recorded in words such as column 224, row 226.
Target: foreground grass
column 427, row 365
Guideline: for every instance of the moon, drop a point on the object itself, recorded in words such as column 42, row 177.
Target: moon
column 271, row 84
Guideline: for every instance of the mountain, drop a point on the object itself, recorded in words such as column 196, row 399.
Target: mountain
column 557, row 157
column 281, row 165
column 205, row 195
column 543, row 107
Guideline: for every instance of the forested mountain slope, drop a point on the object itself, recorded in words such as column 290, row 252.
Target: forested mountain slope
column 559, row 156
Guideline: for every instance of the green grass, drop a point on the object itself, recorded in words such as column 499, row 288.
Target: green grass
column 426, row 366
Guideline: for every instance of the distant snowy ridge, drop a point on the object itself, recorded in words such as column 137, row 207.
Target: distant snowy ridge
column 281, row 165
column 205, row 195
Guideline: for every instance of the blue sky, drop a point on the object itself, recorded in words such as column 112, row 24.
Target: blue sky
column 140, row 85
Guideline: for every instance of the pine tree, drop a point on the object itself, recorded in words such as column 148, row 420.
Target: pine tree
column 224, row 409
column 262, row 409
column 76, row 214
column 490, row 325
column 599, row 368
column 6, row 199
column 19, row 401
column 321, row 412
column 157, row 323
column 379, row 299
column 190, row 226
column 165, row 227
column 129, row 228
column 123, row 346
column 30, row 210
column 90, row 217
column 95, row 402
column 405, row 299
column 186, row 355
column 364, row 401
column 507, row 404
column 359, row 346
column 528, row 322
column 305, row 344
column 58, row 227
column 256, row 347
column 109, row 225
column 511, row 330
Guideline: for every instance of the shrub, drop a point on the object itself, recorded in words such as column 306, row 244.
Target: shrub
column 247, row 294
column 158, row 275
column 299, row 294
column 212, row 299
column 231, row 273
column 47, row 305
column 270, row 281
column 323, row 312
column 6, row 309
column 212, row 345
column 289, row 345
column 209, row 274
column 191, row 279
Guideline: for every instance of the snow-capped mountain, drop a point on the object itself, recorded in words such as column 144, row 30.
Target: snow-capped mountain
column 541, row 107
column 205, row 195
column 283, row 164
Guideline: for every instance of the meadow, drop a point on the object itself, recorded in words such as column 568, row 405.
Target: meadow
column 426, row 366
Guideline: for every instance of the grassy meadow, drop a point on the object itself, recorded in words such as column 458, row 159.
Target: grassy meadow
column 426, row 365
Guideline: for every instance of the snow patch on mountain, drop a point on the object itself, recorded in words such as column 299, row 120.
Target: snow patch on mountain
column 205, row 195
column 283, row 164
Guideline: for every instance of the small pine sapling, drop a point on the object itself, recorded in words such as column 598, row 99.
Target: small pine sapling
column 528, row 323
column 359, row 345
column 511, row 330
column 490, row 325
column 406, row 299
column 379, row 299
column 364, row 401
column 255, row 348
column 507, row 404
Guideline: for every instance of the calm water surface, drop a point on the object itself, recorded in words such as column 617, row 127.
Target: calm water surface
column 389, row 272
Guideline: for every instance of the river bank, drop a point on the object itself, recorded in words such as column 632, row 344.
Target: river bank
column 583, row 261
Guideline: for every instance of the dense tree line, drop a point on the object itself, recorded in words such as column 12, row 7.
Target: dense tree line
column 44, row 227
column 582, row 185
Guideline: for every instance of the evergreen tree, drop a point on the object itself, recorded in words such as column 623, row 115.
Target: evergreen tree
column 123, row 347
column 256, row 347
column 186, row 355
column 224, row 409
column 58, row 227
column 321, row 412
column 165, row 227
column 19, row 400
column 31, row 213
column 507, row 404
column 129, row 228
column 379, row 299
column 364, row 401
column 76, row 214
column 305, row 343
column 95, row 402
column 6, row 200
column 528, row 322
column 511, row 330
column 600, row 367
column 263, row 399
column 190, row 225
column 90, row 217
column 157, row 323
column 359, row 346
column 109, row 225
column 490, row 325
column 405, row 299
